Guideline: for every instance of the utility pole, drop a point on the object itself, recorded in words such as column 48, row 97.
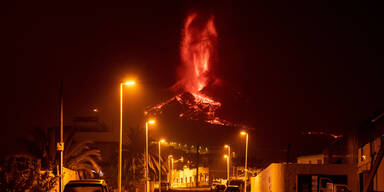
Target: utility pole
column 288, row 152
column 246, row 160
column 159, row 166
column 60, row 145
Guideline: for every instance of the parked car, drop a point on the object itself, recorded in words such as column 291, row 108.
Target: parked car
column 219, row 188
column 213, row 185
column 232, row 188
column 237, row 182
column 87, row 185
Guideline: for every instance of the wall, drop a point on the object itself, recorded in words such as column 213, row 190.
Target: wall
column 68, row 176
column 364, row 163
column 270, row 179
column 311, row 159
column 278, row 177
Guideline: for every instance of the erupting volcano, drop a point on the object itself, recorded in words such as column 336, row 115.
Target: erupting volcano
column 197, row 54
column 197, row 50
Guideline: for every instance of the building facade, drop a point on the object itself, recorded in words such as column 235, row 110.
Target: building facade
column 187, row 177
column 282, row 177
column 366, row 154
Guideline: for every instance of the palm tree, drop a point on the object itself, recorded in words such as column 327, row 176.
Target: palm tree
column 134, row 158
column 79, row 156
column 41, row 144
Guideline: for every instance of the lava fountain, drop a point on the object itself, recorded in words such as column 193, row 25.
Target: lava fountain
column 197, row 50
column 197, row 53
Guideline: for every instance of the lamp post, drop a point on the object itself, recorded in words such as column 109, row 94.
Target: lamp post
column 171, row 171
column 129, row 84
column 161, row 141
column 172, row 162
column 170, row 159
column 146, row 154
column 60, row 145
column 229, row 159
column 246, row 156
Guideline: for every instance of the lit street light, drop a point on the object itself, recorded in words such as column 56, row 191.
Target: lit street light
column 129, row 84
column 146, row 154
column 246, row 156
column 227, row 157
column 161, row 141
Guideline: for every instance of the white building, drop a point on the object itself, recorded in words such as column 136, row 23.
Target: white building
column 281, row 177
column 187, row 177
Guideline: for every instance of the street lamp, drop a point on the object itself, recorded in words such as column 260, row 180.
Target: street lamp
column 161, row 141
column 128, row 84
column 246, row 156
column 227, row 157
column 170, row 169
column 146, row 154
column 172, row 162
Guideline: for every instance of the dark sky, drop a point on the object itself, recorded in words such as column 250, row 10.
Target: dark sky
column 286, row 67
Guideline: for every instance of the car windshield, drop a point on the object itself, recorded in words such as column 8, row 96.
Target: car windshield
column 83, row 188
column 221, row 187
column 233, row 189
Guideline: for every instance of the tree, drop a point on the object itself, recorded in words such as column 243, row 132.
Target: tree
column 134, row 159
column 41, row 144
column 79, row 156
column 22, row 173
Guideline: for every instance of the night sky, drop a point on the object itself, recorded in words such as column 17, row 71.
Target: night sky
column 285, row 67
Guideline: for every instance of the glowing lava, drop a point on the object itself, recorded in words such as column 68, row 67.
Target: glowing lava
column 197, row 54
column 198, row 50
